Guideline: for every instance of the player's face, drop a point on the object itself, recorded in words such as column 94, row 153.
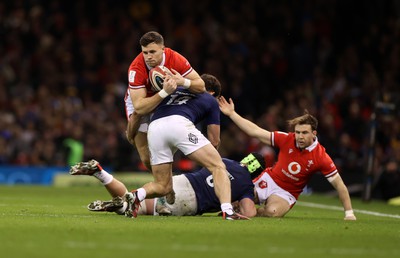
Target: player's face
column 153, row 54
column 304, row 135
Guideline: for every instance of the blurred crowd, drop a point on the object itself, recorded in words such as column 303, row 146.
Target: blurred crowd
column 63, row 74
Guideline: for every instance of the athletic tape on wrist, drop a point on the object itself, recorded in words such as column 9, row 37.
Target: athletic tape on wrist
column 163, row 94
column 186, row 83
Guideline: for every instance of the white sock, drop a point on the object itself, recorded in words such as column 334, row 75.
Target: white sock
column 104, row 177
column 121, row 211
column 227, row 208
column 141, row 194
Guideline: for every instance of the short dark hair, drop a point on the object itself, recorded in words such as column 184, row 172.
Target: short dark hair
column 212, row 84
column 151, row 37
column 306, row 119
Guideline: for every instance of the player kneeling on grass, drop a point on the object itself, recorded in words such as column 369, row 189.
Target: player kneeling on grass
column 194, row 192
column 300, row 156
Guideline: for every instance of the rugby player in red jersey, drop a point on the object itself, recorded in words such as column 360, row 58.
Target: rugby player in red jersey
column 141, row 98
column 300, row 156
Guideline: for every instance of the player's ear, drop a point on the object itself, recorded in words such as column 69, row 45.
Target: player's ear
column 314, row 134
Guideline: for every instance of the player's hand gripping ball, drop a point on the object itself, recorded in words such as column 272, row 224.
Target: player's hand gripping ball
column 156, row 77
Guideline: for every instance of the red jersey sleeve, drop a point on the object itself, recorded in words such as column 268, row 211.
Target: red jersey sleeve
column 327, row 166
column 138, row 73
column 278, row 138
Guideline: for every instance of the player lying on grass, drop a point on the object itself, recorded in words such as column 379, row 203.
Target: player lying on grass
column 194, row 192
column 300, row 156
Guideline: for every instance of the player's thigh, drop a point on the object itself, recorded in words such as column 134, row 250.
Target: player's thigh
column 159, row 142
column 277, row 206
column 141, row 143
column 207, row 156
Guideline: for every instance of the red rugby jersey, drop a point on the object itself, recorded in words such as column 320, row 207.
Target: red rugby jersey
column 138, row 72
column 294, row 167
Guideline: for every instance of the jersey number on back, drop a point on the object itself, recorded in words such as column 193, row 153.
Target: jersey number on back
column 178, row 100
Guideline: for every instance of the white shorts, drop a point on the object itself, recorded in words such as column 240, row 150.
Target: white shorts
column 185, row 198
column 129, row 109
column 266, row 186
column 168, row 134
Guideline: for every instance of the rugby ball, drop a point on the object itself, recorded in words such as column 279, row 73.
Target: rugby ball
column 156, row 77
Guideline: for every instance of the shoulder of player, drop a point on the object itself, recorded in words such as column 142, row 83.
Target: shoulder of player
column 172, row 57
column 138, row 59
column 283, row 134
column 210, row 101
column 169, row 51
column 234, row 166
column 228, row 161
column 321, row 156
column 320, row 149
column 138, row 64
column 284, row 137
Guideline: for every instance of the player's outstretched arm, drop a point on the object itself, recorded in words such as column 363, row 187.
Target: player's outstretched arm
column 338, row 184
column 250, row 128
column 213, row 135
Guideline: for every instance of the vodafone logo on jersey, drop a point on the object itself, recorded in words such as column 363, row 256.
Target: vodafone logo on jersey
column 262, row 184
column 294, row 168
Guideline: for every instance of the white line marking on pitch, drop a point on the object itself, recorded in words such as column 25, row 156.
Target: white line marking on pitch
column 337, row 208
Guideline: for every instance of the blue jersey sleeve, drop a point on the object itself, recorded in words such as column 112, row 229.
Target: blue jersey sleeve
column 213, row 117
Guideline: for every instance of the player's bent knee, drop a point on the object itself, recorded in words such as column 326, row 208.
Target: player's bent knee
column 273, row 212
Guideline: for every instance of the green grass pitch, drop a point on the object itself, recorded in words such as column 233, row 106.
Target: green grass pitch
column 50, row 221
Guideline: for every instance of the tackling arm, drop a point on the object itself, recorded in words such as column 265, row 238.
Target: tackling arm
column 213, row 135
column 344, row 196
